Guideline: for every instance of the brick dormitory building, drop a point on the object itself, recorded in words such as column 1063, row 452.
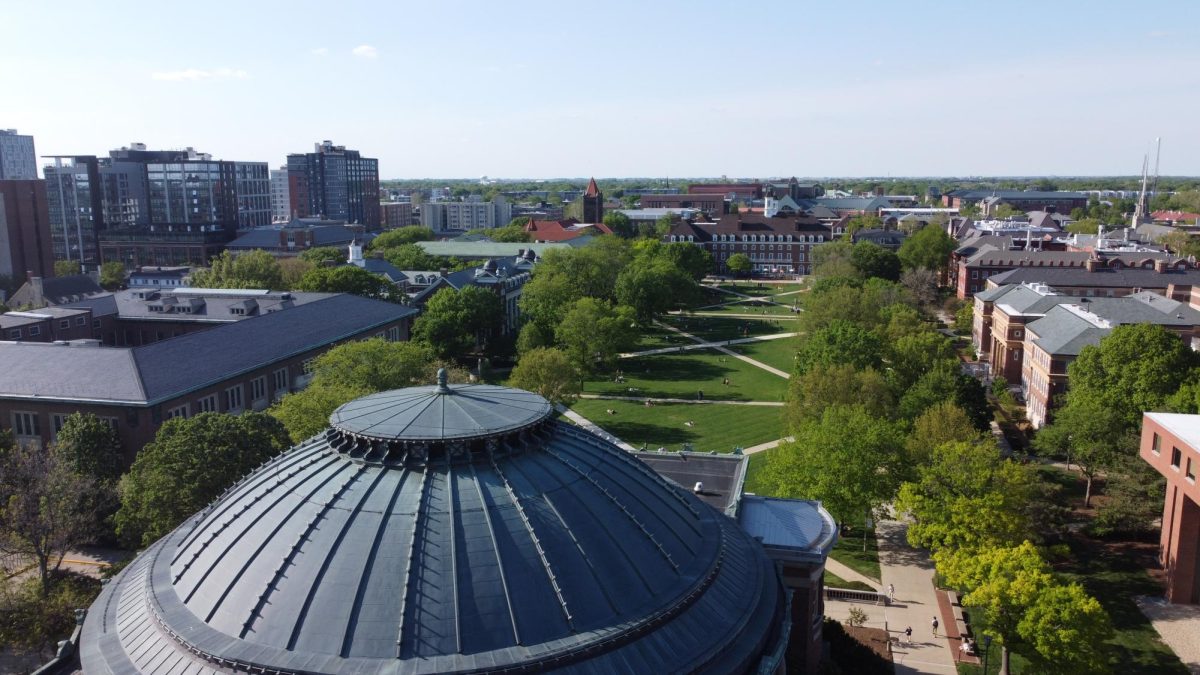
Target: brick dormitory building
column 1171, row 444
column 241, row 361
column 779, row 245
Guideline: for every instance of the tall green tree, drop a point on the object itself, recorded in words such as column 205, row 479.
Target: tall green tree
column 66, row 268
column 620, row 224
column 112, row 275
column 322, row 254
column 548, row 372
column 911, row 356
column 849, row 459
column 401, row 236
column 840, row 342
column 929, row 248
column 348, row 279
column 1089, row 434
column 187, row 465
column 593, row 333
column 941, row 423
column 652, row 286
column 835, row 259
column 825, row 385
column 873, row 260
column 739, row 264
column 969, row 496
column 91, row 447
column 455, row 322
column 252, row 269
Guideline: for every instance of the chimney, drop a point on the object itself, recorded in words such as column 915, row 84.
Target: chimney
column 35, row 283
column 1092, row 264
column 443, row 272
column 1160, row 266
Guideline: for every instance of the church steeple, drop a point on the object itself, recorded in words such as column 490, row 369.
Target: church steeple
column 593, row 203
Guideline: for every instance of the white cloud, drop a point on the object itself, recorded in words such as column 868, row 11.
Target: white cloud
column 320, row 51
column 193, row 74
column 365, row 52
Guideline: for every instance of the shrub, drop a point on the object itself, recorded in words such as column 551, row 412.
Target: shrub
column 28, row 620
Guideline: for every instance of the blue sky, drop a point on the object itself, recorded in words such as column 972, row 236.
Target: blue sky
column 549, row 89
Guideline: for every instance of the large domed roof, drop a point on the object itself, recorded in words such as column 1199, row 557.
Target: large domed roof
column 453, row 528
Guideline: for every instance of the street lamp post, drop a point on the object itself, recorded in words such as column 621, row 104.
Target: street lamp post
column 987, row 647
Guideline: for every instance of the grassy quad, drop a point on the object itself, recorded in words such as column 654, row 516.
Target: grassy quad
column 717, row 328
column 715, row 426
column 779, row 353
column 752, row 288
column 749, row 307
column 683, row 374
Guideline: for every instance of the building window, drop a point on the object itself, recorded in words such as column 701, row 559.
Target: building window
column 1156, row 444
column 258, row 388
column 81, row 321
column 233, row 398
column 25, row 425
column 178, row 411
column 57, row 420
column 1176, row 457
column 207, row 404
column 394, row 334
column 35, row 331
column 1190, row 472
column 14, row 334
column 281, row 380
column 64, row 324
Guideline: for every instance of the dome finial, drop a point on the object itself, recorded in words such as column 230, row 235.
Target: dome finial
column 442, row 378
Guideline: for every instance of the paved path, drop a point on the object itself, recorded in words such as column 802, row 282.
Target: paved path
column 1178, row 625
column 639, row 399
column 911, row 572
column 728, row 315
column 706, row 345
column 767, row 446
column 747, row 359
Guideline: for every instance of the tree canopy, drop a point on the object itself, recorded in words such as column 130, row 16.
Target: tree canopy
column 112, row 275
column 347, row 279
column 91, row 447
column 455, row 322
column 252, row 269
column 872, row 260
column 739, row 264
column 400, row 236
column 929, row 248
column 839, row 342
column 548, row 372
column 594, row 332
column 187, row 465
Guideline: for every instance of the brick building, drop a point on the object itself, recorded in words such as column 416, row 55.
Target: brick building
column 1171, row 444
column 1115, row 278
column 232, row 368
column 25, row 245
column 710, row 204
column 395, row 214
column 779, row 245
column 743, row 192
column 980, row 260
column 1022, row 200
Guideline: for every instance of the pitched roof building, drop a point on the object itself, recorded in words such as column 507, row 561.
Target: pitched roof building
column 552, row 231
column 593, row 203
column 50, row 291
column 779, row 245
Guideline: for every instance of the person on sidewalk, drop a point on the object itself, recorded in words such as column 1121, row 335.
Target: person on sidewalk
column 935, row 626
column 908, row 635
column 891, row 593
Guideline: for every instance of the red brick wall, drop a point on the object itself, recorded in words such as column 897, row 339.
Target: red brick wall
column 1180, row 537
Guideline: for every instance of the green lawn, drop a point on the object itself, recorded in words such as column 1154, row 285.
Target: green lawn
column 716, row 328
column 750, row 307
column 716, row 427
column 834, row 581
column 682, row 375
column 752, row 288
column 779, row 353
column 653, row 337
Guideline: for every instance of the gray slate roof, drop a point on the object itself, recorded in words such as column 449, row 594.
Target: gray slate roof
column 58, row 290
column 1070, row 326
column 1127, row 277
column 564, row 553
column 217, row 305
column 162, row 370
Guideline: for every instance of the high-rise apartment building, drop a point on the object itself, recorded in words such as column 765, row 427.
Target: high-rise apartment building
column 336, row 183
column 281, row 208
column 25, row 247
column 469, row 215
column 153, row 207
column 17, row 158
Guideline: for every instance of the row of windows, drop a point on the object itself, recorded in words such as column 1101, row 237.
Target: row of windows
column 35, row 331
column 1176, row 458
column 27, row 424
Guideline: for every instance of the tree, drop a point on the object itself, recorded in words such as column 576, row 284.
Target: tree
column 188, row 464
column 620, row 224
column 1087, row 432
column 964, row 318
column 1059, row 627
column 411, row 257
column 292, row 270
column 1135, row 494
column 929, row 248
column 513, row 234
column 253, row 269
column 1006, row 212
column 549, row 373
column 347, row 279
column 739, row 264
column 455, row 322
column 91, row 447
column 841, row 342
column 306, row 413
column 946, row 383
column 873, row 260
column 651, row 286
column 374, row 365
column 922, row 284
column 401, row 236
column 1135, row 368
column 593, row 333
column 45, row 507
column 66, row 268
column 322, row 254
column 941, row 423
column 968, row 496
column 848, row 459
column 827, row 385
column 863, row 222
column 911, row 356
column 1084, row 226
column 112, row 275
column 688, row 257
column 834, row 259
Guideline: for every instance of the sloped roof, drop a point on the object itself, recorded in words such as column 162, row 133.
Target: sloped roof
column 46, row 371
column 59, row 290
column 441, row 412
column 592, row 190
column 1105, row 277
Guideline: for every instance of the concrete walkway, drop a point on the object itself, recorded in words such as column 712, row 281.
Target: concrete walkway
column 639, row 399
column 706, row 345
column 756, row 317
column 1177, row 625
column 747, row 359
column 767, row 446
column 911, row 572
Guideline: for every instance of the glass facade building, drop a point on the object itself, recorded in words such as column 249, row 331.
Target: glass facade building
column 76, row 207
column 334, row 183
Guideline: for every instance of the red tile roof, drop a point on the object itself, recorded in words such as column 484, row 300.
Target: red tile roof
column 563, row 230
column 592, row 190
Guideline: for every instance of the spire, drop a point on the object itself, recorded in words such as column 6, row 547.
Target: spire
column 592, row 190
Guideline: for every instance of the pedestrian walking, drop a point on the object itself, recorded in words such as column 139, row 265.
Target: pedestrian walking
column 891, row 593
column 935, row 626
column 908, row 635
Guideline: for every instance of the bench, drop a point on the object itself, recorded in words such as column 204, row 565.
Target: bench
column 953, row 598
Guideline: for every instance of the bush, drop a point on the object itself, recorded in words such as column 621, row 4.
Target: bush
column 30, row 621
column 850, row 656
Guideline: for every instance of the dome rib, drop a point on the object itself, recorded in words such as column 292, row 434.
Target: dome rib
column 491, row 529
column 408, row 565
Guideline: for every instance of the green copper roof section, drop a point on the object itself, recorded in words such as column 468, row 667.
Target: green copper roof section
column 441, row 412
